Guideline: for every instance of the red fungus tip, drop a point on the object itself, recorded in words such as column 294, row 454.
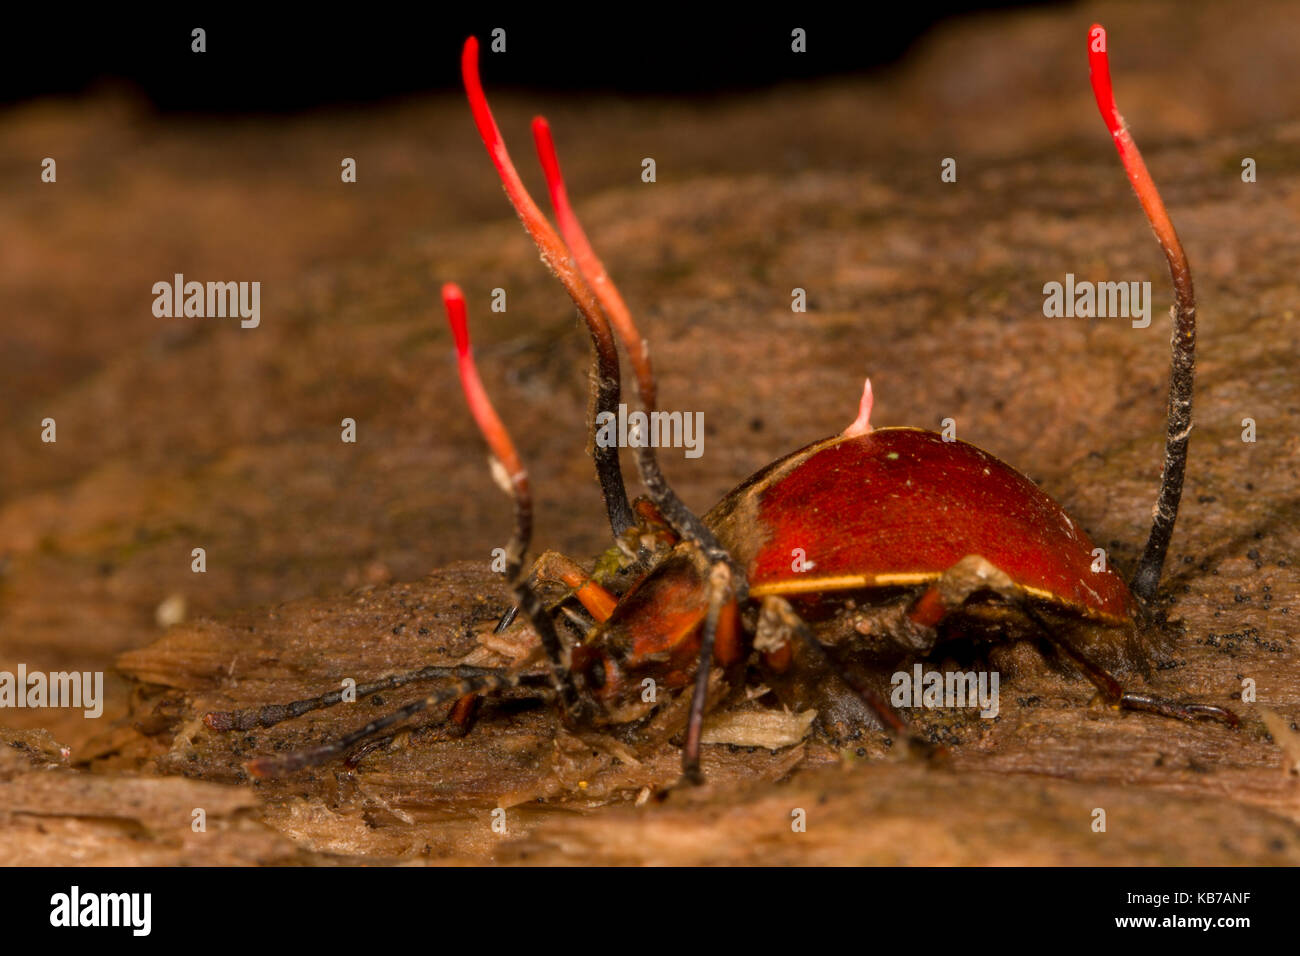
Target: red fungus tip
column 570, row 229
column 546, row 152
column 549, row 244
column 478, row 105
column 453, row 301
column 480, row 406
column 589, row 264
column 862, row 424
column 1139, row 177
column 1099, row 72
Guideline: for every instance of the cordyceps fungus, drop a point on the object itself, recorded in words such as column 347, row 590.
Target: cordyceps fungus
column 1146, row 579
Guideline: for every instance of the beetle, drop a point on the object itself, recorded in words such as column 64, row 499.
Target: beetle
column 908, row 538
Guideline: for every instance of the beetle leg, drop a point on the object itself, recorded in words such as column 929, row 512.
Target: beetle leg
column 310, row 756
column 460, row 717
column 778, row 621
column 719, row 622
column 955, row 587
column 639, row 548
column 914, row 627
column 1113, row 692
column 553, row 566
column 353, row 760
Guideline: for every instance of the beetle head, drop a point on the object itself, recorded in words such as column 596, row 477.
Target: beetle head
column 651, row 643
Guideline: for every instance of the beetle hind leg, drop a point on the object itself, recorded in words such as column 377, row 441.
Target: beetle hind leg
column 1112, row 692
column 974, row 574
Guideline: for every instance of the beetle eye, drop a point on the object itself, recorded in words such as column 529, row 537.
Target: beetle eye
column 596, row 673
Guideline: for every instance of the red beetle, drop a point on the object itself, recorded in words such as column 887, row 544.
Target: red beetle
column 900, row 538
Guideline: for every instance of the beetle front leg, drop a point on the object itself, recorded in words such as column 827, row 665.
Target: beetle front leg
column 269, row 715
column 720, row 629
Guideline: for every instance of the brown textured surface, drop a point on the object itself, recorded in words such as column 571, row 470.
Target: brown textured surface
column 177, row 434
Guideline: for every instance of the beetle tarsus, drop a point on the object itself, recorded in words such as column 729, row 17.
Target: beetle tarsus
column 1179, row 711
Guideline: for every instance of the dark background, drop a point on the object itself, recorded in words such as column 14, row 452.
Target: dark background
column 276, row 61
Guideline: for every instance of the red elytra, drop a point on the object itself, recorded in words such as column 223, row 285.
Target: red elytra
column 899, row 507
column 936, row 529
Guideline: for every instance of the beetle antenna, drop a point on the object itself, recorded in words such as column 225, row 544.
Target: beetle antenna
column 1146, row 579
column 604, row 385
column 250, row 718
column 684, row 521
column 511, row 475
column 310, row 756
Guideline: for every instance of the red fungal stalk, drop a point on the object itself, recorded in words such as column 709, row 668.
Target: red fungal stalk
column 480, row 406
column 1146, row 578
column 592, row 269
column 515, row 483
column 554, row 254
column 1143, row 185
column 605, row 371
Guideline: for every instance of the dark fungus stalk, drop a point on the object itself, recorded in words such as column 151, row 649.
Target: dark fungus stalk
column 1146, row 579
